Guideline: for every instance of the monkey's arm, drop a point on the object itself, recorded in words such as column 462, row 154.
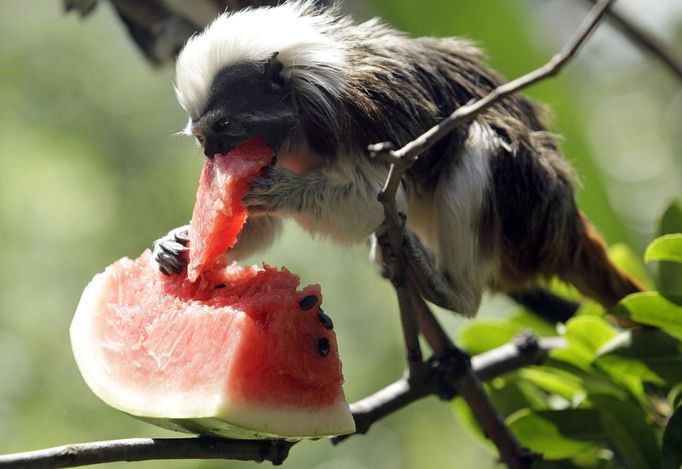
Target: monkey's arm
column 344, row 208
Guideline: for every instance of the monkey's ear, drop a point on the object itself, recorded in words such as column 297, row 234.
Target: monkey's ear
column 274, row 73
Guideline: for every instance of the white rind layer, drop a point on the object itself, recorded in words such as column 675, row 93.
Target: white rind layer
column 196, row 412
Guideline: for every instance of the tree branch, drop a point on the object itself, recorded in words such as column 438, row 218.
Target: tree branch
column 392, row 251
column 143, row 449
column 644, row 40
column 523, row 351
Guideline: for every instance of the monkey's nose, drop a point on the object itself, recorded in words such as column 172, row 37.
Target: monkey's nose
column 214, row 147
column 212, row 150
column 221, row 145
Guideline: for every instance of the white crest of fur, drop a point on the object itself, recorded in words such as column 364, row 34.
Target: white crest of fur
column 297, row 31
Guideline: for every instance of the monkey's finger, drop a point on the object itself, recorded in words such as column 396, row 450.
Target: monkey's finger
column 172, row 248
column 181, row 235
column 169, row 264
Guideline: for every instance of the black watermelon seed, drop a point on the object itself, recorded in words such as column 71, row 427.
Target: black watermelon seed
column 220, row 285
column 307, row 302
column 323, row 346
column 325, row 320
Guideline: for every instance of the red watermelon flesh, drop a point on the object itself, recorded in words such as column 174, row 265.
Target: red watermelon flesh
column 234, row 354
column 219, row 214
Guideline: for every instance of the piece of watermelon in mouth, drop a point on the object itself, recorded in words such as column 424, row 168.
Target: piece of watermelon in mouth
column 219, row 214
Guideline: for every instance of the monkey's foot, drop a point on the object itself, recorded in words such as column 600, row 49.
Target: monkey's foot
column 445, row 368
column 432, row 284
column 169, row 251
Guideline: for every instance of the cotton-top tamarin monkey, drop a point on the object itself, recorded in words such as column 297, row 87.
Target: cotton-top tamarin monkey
column 491, row 205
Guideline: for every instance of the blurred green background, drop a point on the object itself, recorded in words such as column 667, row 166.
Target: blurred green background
column 91, row 170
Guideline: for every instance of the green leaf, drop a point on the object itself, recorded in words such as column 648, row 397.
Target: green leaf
column 665, row 248
column 631, row 437
column 672, row 442
column 557, row 434
column 585, row 335
column 642, row 342
column 590, row 308
column 508, row 395
column 625, row 258
column 652, row 309
column 674, row 397
column 630, row 373
column 592, row 379
column 562, row 289
column 671, row 220
column 526, row 320
column 466, row 419
column 590, row 332
column 642, row 354
column 670, row 273
column 480, row 337
column 555, row 381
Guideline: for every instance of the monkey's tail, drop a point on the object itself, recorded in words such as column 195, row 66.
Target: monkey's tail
column 593, row 273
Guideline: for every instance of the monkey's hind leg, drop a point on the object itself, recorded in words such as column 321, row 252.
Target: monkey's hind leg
column 432, row 284
column 593, row 273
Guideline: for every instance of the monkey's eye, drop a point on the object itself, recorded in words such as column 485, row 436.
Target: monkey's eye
column 221, row 125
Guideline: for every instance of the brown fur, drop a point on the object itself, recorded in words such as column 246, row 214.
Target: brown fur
column 590, row 270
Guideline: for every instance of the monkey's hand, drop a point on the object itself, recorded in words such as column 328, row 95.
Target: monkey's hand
column 322, row 201
column 169, row 251
column 271, row 191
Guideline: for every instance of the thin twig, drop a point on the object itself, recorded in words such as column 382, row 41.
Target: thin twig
column 393, row 255
column 464, row 114
column 431, row 329
column 644, row 40
column 144, row 449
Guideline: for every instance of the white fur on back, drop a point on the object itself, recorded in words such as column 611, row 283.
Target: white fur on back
column 297, row 31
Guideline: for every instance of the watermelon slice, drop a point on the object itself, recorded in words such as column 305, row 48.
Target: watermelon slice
column 219, row 214
column 240, row 353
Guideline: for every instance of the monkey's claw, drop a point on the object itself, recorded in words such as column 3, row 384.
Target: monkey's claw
column 169, row 251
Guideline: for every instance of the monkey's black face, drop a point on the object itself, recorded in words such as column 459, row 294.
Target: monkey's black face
column 247, row 100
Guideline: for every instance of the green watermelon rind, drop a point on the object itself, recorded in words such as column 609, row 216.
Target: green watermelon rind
column 212, row 417
column 215, row 426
